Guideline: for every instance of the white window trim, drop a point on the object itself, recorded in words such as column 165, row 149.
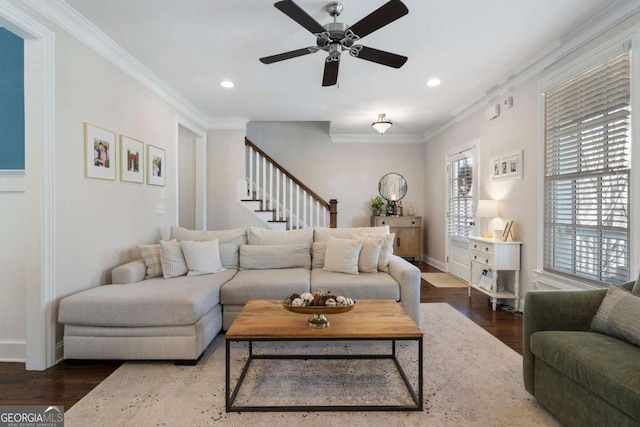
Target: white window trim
column 12, row 181
column 598, row 55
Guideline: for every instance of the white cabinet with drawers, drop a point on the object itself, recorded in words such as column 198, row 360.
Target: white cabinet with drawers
column 497, row 258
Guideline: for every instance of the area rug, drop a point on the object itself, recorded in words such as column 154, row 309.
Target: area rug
column 471, row 379
column 443, row 280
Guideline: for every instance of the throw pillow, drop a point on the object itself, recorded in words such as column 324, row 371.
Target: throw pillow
column 386, row 251
column 636, row 287
column 151, row 256
column 173, row 263
column 202, row 257
column 229, row 255
column 260, row 236
column 342, row 255
column 233, row 235
column 322, row 234
column 618, row 315
column 370, row 253
column 318, row 250
column 265, row 257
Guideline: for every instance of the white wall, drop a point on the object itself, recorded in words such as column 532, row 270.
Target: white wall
column 515, row 129
column 186, row 178
column 347, row 172
column 97, row 223
column 225, row 166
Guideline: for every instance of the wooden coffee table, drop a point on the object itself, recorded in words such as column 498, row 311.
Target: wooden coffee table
column 370, row 320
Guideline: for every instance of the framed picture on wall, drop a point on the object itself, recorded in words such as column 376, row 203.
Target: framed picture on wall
column 507, row 167
column 99, row 152
column 131, row 160
column 155, row 165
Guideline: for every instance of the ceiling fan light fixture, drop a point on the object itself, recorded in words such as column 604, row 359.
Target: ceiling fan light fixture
column 228, row 84
column 382, row 124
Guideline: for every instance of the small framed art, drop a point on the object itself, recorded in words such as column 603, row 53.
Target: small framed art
column 131, row 160
column 99, row 152
column 155, row 165
column 508, row 230
column 507, row 167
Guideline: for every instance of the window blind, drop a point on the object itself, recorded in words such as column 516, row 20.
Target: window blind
column 586, row 174
column 461, row 213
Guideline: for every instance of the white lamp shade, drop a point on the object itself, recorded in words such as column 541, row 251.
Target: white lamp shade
column 487, row 209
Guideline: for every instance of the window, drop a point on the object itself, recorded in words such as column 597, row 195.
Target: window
column 587, row 167
column 461, row 213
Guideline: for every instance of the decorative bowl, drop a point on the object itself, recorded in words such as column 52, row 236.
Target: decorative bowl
column 318, row 320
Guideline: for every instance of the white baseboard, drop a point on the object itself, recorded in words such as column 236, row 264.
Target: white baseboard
column 13, row 351
column 435, row 263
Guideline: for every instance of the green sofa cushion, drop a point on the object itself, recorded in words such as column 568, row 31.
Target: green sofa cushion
column 607, row 366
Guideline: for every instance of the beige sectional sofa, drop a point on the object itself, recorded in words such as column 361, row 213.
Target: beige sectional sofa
column 176, row 318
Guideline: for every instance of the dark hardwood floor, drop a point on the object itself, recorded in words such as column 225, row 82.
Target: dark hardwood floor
column 65, row 384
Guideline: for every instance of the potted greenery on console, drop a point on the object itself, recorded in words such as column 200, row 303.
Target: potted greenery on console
column 376, row 204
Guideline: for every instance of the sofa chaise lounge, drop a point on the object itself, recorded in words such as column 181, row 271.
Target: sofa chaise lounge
column 141, row 318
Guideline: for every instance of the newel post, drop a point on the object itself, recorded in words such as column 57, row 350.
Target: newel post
column 333, row 213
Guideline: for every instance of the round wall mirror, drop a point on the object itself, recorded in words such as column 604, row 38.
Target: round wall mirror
column 392, row 187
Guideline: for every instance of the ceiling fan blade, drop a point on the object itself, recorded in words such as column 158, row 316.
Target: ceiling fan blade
column 330, row 76
column 386, row 14
column 288, row 55
column 294, row 12
column 378, row 56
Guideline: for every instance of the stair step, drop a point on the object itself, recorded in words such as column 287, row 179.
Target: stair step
column 265, row 210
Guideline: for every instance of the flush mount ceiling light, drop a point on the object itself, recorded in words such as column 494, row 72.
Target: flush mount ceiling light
column 227, row 84
column 382, row 124
column 433, row 82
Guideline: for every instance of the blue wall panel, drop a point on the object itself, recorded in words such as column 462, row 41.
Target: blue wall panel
column 11, row 101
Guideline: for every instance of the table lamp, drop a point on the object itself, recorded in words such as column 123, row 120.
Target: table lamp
column 487, row 209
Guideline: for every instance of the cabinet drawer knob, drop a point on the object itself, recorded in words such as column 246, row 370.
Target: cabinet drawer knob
column 383, row 222
column 486, row 261
column 475, row 257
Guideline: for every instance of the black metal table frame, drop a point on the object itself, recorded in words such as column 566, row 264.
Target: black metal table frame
column 230, row 395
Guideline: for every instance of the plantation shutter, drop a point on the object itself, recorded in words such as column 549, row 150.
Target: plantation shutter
column 586, row 174
column 461, row 213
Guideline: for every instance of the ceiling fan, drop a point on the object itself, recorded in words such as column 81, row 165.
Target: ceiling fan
column 337, row 37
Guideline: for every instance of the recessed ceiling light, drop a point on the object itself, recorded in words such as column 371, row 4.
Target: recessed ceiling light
column 433, row 82
column 227, row 83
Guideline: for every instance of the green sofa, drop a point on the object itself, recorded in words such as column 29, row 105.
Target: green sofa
column 584, row 378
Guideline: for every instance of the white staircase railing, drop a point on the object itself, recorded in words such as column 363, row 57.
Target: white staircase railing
column 283, row 194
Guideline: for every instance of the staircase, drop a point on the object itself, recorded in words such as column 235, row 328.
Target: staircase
column 279, row 199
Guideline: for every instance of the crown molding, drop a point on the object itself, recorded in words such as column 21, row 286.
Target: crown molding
column 366, row 138
column 66, row 17
column 230, row 123
column 605, row 19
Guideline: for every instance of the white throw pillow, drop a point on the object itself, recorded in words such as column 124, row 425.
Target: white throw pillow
column 370, row 253
column 318, row 250
column 229, row 254
column 261, row 236
column 151, row 256
column 173, row 263
column 267, row 257
column 386, row 251
column 342, row 255
column 202, row 257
